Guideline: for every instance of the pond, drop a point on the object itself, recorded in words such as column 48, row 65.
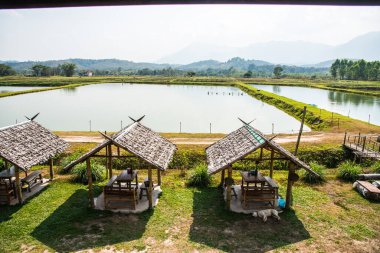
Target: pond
column 5, row 89
column 167, row 108
column 349, row 104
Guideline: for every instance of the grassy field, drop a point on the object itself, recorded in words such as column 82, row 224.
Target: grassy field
column 326, row 218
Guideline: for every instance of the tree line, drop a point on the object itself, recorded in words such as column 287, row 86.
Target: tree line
column 344, row 69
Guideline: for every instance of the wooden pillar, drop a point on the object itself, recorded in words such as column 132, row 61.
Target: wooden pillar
column 89, row 178
column 289, row 186
column 345, row 137
column 18, row 184
column 271, row 163
column 222, row 178
column 118, row 151
column 228, row 194
column 261, row 154
column 159, row 176
column 51, row 169
column 110, row 160
column 364, row 140
column 5, row 163
column 150, row 188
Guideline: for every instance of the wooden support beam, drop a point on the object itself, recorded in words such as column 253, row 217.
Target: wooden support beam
column 51, row 170
column 150, row 188
column 159, row 176
column 110, row 160
column 289, row 186
column 300, row 132
column 271, row 163
column 345, row 136
column 222, row 178
column 118, row 151
column 89, row 178
column 228, row 194
column 261, row 154
column 5, row 163
column 18, row 185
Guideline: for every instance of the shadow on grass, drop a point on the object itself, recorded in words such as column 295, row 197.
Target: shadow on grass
column 7, row 211
column 216, row 227
column 73, row 226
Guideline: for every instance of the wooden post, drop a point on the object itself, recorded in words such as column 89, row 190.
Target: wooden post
column 289, row 187
column 345, row 136
column 261, row 154
column 300, row 132
column 271, row 163
column 118, row 151
column 228, row 194
column 222, row 178
column 110, row 160
column 18, row 184
column 51, row 169
column 359, row 139
column 5, row 163
column 89, row 178
column 150, row 191
column 364, row 140
column 159, row 176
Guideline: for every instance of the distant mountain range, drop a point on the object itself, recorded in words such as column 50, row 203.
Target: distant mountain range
column 283, row 52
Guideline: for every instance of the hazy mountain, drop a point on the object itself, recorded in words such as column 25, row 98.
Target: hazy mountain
column 236, row 62
column 102, row 64
column 324, row 64
column 283, row 52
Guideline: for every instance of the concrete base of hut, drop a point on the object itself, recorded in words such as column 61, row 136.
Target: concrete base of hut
column 141, row 206
column 36, row 189
column 237, row 205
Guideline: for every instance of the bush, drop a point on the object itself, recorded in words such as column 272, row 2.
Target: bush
column 2, row 164
column 311, row 178
column 199, row 177
column 375, row 168
column 348, row 171
column 80, row 172
column 67, row 160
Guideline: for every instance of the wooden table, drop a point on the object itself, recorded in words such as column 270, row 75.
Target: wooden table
column 249, row 179
column 127, row 178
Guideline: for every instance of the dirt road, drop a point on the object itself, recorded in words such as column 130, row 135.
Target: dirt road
column 310, row 137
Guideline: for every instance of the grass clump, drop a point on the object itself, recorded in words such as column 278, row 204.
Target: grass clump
column 312, row 178
column 80, row 172
column 199, row 176
column 348, row 171
column 375, row 168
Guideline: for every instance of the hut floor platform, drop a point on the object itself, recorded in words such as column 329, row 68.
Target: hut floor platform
column 237, row 205
column 141, row 206
column 36, row 189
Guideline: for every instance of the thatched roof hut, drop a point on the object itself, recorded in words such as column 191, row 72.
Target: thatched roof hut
column 244, row 141
column 27, row 144
column 139, row 140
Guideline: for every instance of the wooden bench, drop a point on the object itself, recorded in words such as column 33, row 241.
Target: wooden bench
column 6, row 191
column 263, row 194
column 368, row 190
column 116, row 195
column 32, row 179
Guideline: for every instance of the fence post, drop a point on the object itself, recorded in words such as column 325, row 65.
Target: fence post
column 345, row 136
column 364, row 139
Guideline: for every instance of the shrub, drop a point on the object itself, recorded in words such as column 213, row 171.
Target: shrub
column 80, row 172
column 67, row 160
column 348, row 171
column 311, row 178
column 199, row 177
column 2, row 164
column 375, row 168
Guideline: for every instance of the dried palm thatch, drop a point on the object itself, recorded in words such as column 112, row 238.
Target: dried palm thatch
column 239, row 144
column 140, row 141
column 28, row 143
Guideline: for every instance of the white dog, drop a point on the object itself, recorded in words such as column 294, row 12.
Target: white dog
column 265, row 213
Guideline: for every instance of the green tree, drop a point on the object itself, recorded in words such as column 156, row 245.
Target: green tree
column 68, row 68
column 248, row 74
column 334, row 68
column 6, row 70
column 277, row 71
column 190, row 73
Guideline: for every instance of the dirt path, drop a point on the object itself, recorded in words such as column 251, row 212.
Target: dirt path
column 311, row 137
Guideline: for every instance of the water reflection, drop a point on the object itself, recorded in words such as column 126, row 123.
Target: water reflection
column 69, row 90
column 354, row 105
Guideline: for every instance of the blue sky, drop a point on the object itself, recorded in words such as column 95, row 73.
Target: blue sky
column 148, row 33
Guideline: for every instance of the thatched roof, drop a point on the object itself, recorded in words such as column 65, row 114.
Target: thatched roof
column 140, row 141
column 239, row 144
column 28, row 143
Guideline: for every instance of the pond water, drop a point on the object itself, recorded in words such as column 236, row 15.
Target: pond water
column 4, row 89
column 349, row 104
column 108, row 106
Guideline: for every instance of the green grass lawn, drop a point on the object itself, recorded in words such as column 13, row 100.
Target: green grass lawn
column 325, row 218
